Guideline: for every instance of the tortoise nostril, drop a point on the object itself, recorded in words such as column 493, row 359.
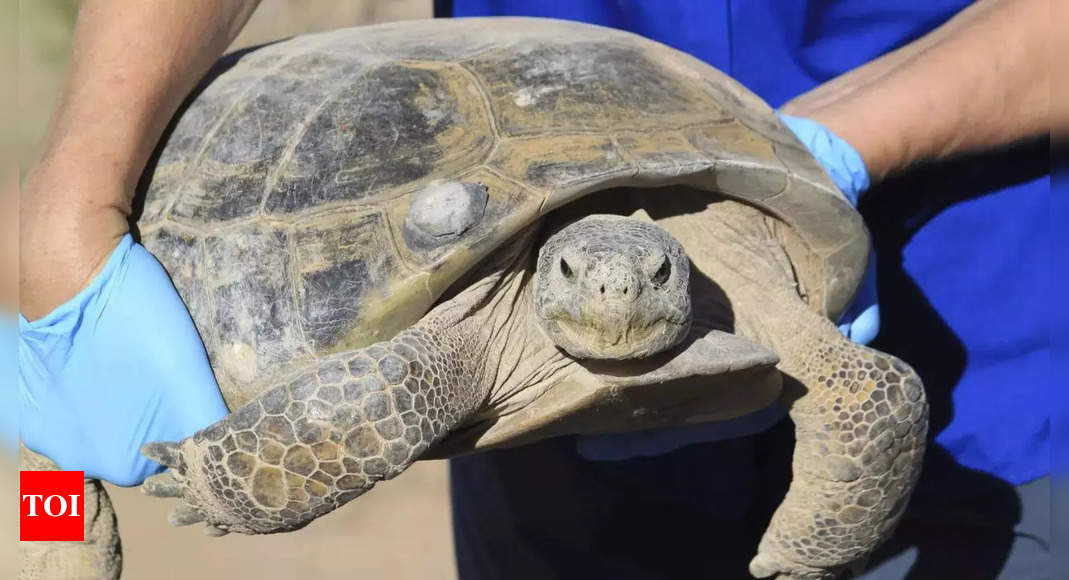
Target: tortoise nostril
column 566, row 270
column 663, row 273
column 625, row 290
column 602, row 288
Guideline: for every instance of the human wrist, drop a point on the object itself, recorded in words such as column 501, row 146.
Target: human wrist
column 66, row 235
column 879, row 152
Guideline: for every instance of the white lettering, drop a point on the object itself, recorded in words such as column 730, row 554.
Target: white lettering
column 62, row 502
column 33, row 503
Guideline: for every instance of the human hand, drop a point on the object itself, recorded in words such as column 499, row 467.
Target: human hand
column 859, row 323
column 116, row 366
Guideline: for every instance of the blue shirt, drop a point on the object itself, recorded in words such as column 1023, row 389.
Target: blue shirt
column 964, row 262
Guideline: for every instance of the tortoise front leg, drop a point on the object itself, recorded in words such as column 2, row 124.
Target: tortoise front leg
column 860, row 436
column 306, row 447
column 329, row 433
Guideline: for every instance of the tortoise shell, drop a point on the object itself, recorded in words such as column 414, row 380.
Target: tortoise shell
column 288, row 200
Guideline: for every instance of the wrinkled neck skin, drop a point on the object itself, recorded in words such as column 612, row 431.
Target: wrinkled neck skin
column 515, row 361
column 742, row 278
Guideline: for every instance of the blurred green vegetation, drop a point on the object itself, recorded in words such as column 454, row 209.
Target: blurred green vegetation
column 44, row 35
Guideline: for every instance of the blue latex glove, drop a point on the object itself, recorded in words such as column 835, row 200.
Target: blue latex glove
column 9, row 400
column 842, row 162
column 859, row 323
column 115, row 367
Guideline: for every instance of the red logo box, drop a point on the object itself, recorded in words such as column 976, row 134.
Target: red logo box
column 51, row 506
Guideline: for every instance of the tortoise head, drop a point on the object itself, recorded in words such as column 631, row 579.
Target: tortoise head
column 613, row 287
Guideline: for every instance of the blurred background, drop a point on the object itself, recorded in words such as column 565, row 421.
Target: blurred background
column 398, row 531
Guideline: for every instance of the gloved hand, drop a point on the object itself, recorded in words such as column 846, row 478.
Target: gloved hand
column 115, row 367
column 859, row 323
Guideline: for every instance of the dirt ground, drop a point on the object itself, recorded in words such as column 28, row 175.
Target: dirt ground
column 398, row 531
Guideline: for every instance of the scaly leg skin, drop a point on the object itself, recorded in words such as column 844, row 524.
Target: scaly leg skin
column 860, row 436
column 99, row 557
column 307, row 446
column 304, row 448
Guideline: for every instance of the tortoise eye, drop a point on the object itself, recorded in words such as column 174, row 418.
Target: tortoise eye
column 566, row 270
column 663, row 273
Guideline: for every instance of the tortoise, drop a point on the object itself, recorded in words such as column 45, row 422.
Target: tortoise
column 430, row 238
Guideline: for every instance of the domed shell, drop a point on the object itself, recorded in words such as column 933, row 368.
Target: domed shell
column 319, row 194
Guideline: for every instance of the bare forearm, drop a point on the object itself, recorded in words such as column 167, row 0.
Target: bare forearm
column 132, row 62
column 980, row 81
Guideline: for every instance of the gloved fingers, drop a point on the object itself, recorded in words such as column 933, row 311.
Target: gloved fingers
column 46, row 345
column 840, row 160
column 865, row 327
column 861, row 321
column 177, row 361
column 118, row 365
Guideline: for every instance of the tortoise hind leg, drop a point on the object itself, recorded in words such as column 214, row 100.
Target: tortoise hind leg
column 99, row 557
column 860, row 427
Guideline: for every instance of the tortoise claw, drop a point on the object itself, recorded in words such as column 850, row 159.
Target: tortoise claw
column 214, row 532
column 163, row 452
column 184, row 514
column 162, row 485
column 767, row 566
column 762, row 566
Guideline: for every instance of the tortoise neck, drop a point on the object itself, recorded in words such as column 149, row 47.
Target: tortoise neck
column 485, row 318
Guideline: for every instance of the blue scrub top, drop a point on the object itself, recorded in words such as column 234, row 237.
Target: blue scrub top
column 963, row 250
